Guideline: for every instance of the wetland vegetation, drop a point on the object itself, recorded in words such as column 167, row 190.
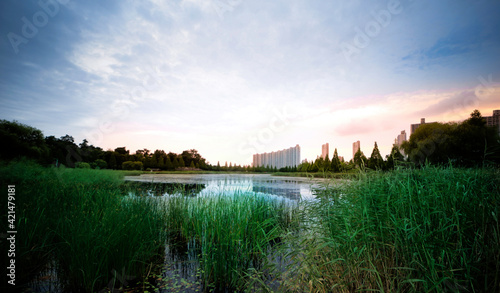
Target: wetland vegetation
column 431, row 229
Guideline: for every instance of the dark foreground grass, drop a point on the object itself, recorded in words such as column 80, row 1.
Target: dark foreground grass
column 80, row 222
column 427, row 230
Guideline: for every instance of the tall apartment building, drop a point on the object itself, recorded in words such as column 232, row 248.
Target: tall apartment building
column 324, row 151
column 356, row 146
column 401, row 138
column 415, row 126
column 494, row 120
column 285, row 158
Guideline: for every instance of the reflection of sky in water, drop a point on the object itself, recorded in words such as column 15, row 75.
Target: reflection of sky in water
column 290, row 187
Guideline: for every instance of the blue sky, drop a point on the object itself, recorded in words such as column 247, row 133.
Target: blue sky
column 235, row 77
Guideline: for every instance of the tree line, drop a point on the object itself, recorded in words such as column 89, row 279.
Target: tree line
column 20, row 140
column 465, row 144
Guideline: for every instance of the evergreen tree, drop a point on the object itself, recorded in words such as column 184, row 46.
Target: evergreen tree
column 335, row 164
column 175, row 163
column 394, row 157
column 376, row 161
column 327, row 164
column 161, row 163
column 359, row 159
column 168, row 164
column 181, row 162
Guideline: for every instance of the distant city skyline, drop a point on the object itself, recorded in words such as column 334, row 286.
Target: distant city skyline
column 246, row 77
column 278, row 159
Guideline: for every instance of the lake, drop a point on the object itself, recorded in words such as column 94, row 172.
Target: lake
column 294, row 188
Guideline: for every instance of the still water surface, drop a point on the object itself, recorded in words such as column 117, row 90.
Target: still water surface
column 180, row 273
column 294, row 188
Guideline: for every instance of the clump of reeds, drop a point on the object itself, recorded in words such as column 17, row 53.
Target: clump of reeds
column 232, row 231
column 80, row 220
column 432, row 229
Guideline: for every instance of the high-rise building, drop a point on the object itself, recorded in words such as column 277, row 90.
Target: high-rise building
column 414, row 127
column 324, row 151
column 494, row 120
column 279, row 159
column 399, row 141
column 356, row 146
column 401, row 138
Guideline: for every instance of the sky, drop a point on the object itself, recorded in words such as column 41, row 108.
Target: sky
column 231, row 78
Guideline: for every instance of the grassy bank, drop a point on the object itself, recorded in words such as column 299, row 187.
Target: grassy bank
column 427, row 230
column 78, row 220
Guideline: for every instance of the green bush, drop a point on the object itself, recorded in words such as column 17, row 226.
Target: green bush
column 132, row 165
column 82, row 165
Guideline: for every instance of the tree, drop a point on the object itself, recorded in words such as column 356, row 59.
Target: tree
column 394, row 157
column 470, row 143
column 359, row 159
column 327, row 164
column 131, row 165
column 181, row 162
column 161, row 163
column 376, row 161
column 101, row 164
column 112, row 161
column 175, row 163
column 20, row 140
column 168, row 164
column 335, row 164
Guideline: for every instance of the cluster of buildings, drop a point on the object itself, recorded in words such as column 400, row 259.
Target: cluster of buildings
column 291, row 157
column 280, row 159
column 494, row 120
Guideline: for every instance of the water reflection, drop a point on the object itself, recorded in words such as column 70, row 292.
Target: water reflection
column 207, row 184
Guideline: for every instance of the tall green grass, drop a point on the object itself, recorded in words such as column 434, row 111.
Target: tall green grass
column 232, row 232
column 81, row 219
column 427, row 230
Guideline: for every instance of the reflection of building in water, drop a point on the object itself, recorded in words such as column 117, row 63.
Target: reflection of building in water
column 285, row 192
column 285, row 158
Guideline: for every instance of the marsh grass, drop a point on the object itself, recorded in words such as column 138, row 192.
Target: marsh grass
column 428, row 230
column 80, row 219
column 231, row 232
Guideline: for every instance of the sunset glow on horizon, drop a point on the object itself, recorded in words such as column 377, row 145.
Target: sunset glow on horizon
column 246, row 77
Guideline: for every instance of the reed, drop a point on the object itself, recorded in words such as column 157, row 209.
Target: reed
column 232, row 232
column 429, row 230
column 81, row 219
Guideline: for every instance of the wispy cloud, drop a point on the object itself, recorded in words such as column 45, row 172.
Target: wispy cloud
column 176, row 75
